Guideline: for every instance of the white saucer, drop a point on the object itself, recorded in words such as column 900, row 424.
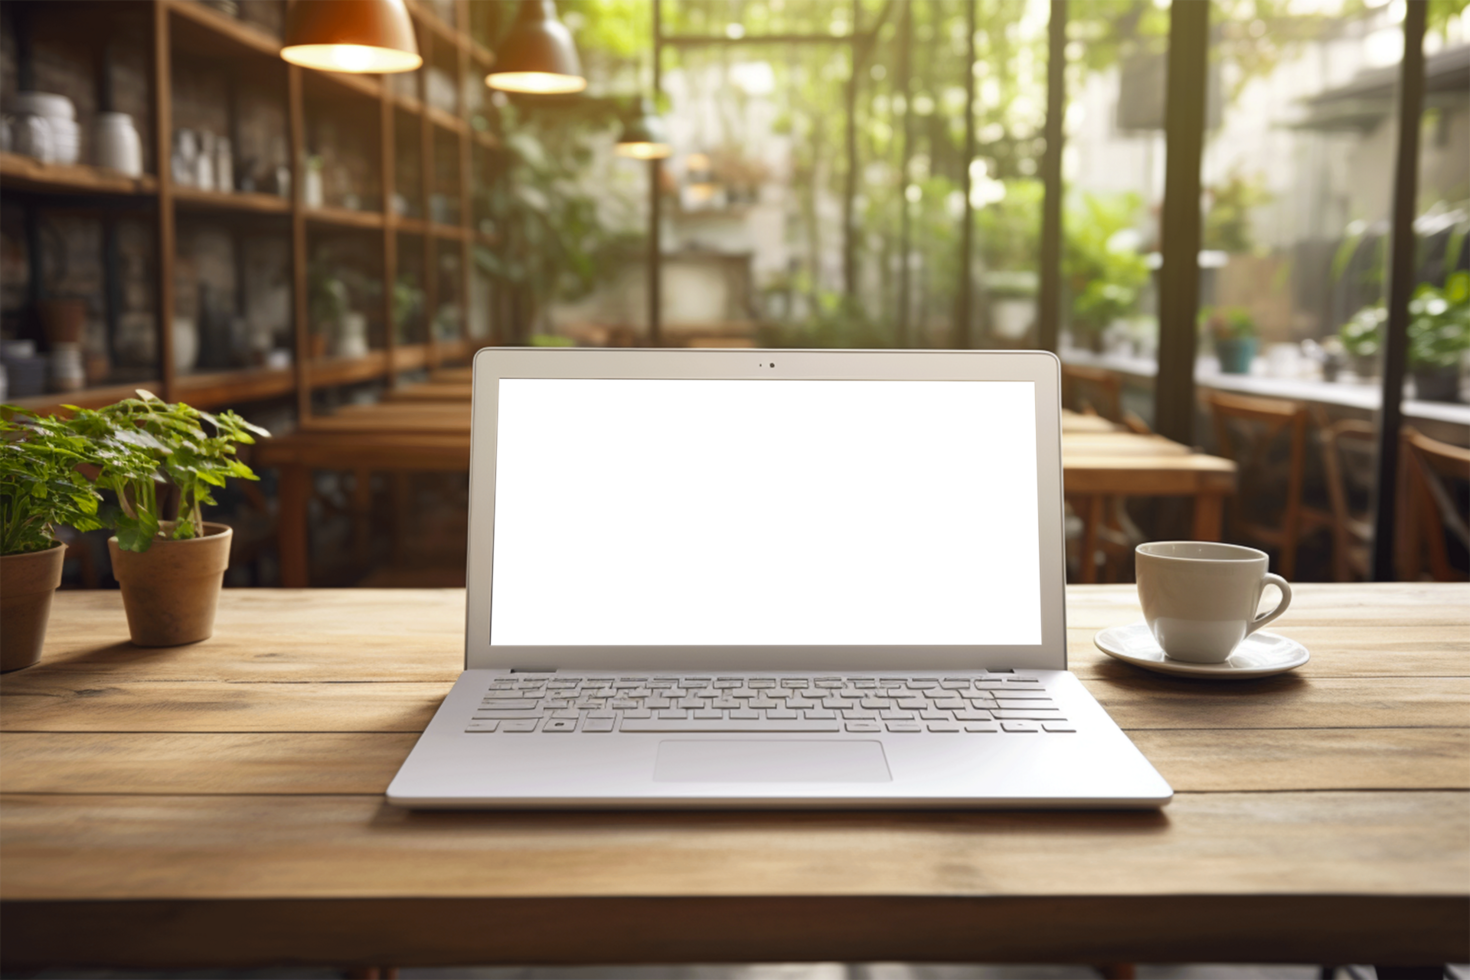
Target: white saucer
column 1259, row 655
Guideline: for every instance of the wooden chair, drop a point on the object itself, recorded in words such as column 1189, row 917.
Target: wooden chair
column 1249, row 431
column 1348, row 450
column 1093, row 390
column 1435, row 475
column 1097, row 391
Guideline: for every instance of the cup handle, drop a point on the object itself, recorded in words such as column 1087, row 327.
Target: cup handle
column 1264, row 618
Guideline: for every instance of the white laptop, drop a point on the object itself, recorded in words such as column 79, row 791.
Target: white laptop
column 746, row 578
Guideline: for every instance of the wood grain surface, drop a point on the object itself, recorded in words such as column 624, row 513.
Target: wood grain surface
column 221, row 804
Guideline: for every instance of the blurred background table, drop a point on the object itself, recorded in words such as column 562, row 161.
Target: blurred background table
column 220, row 804
column 1099, row 461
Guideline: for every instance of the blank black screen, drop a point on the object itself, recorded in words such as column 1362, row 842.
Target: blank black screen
column 704, row 512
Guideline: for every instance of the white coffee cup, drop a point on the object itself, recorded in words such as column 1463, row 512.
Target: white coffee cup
column 1200, row 598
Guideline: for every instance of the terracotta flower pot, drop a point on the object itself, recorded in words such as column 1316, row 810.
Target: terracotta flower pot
column 62, row 320
column 171, row 590
column 27, row 583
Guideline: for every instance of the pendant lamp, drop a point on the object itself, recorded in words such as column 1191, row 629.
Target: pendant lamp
column 538, row 55
column 644, row 136
column 351, row 36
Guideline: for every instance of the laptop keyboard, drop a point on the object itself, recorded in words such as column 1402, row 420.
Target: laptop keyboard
column 554, row 703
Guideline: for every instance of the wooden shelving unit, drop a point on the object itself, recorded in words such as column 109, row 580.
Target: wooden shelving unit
column 199, row 31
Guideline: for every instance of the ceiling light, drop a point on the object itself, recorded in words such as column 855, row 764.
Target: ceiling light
column 644, row 137
column 351, row 36
column 538, row 55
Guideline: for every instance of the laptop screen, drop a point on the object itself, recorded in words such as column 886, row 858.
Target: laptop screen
column 753, row 512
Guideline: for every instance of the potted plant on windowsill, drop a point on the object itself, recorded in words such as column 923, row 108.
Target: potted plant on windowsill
column 1439, row 335
column 170, row 571
column 1234, row 332
column 41, row 489
column 1361, row 336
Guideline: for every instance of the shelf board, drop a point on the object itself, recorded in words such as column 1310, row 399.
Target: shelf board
column 235, row 34
column 52, row 402
column 213, row 388
column 462, row 349
column 326, row 372
column 482, row 55
column 406, row 103
column 345, row 218
column 445, row 120
column 25, row 173
column 347, row 83
column 407, row 357
column 456, row 232
column 487, row 140
column 192, row 197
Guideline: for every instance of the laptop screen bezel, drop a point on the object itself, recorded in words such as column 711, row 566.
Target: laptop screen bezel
column 1041, row 368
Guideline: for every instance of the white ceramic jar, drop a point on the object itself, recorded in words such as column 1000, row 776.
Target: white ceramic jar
column 31, row 137
column 118, row 146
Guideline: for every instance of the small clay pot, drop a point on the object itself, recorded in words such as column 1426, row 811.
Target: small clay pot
column 171, row 590
column 62, row 319
column 27, row 583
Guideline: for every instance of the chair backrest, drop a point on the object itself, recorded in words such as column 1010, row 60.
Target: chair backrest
column 1249, row 430
column 1436, row 475
column 1348, row 448
column 1095, row 389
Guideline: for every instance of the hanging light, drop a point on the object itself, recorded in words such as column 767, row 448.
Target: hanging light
column 351, row 35
column 644, row 137
column 538, row 54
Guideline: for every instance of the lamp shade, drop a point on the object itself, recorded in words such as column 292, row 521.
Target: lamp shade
column 644, row 136
column 538, row 54
column 351, row 35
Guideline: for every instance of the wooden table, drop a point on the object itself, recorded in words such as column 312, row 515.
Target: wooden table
column 1098, row 461
column 221, row 804
column 430, row 392
column 1101, row 461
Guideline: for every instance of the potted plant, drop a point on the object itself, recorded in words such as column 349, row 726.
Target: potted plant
column 40, row 489
column 1103, row 270
column 1361, row 337
column 1234, row 333
column 170, row 571
column 1439, row 335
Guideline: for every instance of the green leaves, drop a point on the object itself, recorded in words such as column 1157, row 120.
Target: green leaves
column 1104, row 270
column 1439, row 325
column 41, row 485
column 52, row 468
column 176, row 441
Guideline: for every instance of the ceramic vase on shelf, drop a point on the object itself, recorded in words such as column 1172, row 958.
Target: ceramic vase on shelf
column 313, row 189
column 224, row 166
column 64, row 136
column 68, row 370
column 186, row 153
column 116, row 143
column 31, row 137
column 62, row 320
column 204, row 163
column 186, row 343
column 352, row 335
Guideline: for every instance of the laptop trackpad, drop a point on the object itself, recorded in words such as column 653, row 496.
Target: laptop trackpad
column 770, row 761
